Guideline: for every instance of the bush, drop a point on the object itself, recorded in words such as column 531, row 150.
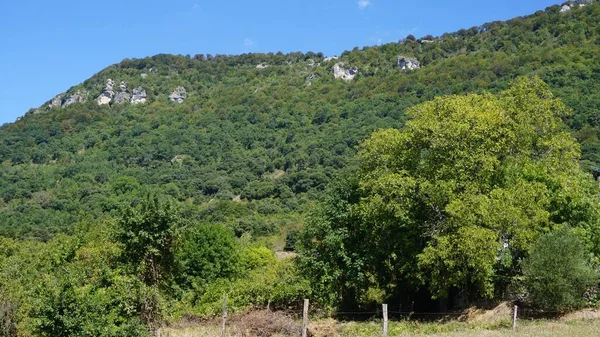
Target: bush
column 558, row 272
column 206, row 253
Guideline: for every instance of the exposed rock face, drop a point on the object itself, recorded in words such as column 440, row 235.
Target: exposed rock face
column 565, row 8
column 107, row 94
column 345, row 73
column 122, row 96
column 262, row 66
column 139, row 96
column 78, row 97
column 310, row 78
column 56, row 102
column 404, row 63
column 327, row 59
column 144, row 75
column 178, row 95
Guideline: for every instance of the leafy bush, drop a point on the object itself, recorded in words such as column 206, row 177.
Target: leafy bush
column 558, row 271
column 206, row 253
column 278, row 285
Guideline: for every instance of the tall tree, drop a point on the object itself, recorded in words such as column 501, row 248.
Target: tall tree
column 456, row 198
column 147, row 234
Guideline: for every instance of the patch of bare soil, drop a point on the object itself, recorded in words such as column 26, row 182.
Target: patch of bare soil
column 283, row 255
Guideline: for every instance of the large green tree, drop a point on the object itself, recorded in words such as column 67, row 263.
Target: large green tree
column 454, row 200
column 147, row 235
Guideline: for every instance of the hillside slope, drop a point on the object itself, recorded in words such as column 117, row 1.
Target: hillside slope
column 257, row 137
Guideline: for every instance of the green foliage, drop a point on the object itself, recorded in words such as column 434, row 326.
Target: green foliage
column 147, row 234
column 453, row 200
column 206, row 253
column 278, row 285
column 72, row 286
column 558, row 271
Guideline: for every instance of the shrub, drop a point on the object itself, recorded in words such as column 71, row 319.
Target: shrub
column 558, row 272
column 206, row 253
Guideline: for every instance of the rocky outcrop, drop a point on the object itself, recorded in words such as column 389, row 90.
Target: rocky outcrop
column 178, row 95
column 139, row 96
column 78, row 97
column 565, row 8
column 310, row 78
column 59, row 101
column 56, row 102
column 409, row 63
column 262, row 66
column 343, row 72
column 122, row 96
column 107, row 93
column 574, row 4
column 327, row 59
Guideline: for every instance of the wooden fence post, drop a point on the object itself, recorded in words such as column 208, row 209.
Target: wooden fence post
column 385, row 320
column 224, row 315
column 514, row 325
column 305, row 319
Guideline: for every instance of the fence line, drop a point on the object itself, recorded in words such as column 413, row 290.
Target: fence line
column 385, row 312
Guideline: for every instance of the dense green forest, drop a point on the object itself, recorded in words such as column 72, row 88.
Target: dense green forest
column 115, row 218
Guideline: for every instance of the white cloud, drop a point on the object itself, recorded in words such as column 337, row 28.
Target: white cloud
column 362, row 4
column 249, row 43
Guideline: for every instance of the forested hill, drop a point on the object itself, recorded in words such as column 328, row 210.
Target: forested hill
column 251, row 141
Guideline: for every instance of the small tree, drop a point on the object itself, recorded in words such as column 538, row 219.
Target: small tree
column 147, row 235
column 558, row 272
column 8, row 321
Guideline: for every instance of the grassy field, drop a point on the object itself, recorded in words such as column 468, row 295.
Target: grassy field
column 332, row 328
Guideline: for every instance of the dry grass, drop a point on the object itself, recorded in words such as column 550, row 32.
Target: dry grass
column 529, row 329
column 260, row 323
column 265, row 324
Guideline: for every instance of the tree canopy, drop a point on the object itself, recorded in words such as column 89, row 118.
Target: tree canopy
column 455, row 199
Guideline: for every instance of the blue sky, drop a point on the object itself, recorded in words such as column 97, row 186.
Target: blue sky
column 48, row 46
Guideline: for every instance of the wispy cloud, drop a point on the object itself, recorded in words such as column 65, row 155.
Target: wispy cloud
column 362, row 4
column 249, row 43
